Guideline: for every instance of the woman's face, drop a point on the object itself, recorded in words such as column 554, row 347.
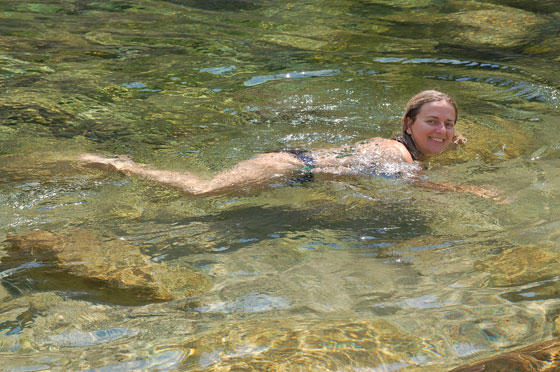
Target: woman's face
column 433, row 128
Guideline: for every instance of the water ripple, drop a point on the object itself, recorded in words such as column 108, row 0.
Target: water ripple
column 78, row 338
column 219, row 70
column 29, row 368
column 28, row 265
column 521, row 88
column 216, row 356
column 166, row 361
column 251, row 303
column 290, row 75
column 449, row 61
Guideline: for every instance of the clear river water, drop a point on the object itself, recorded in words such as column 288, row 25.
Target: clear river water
column 361, row 273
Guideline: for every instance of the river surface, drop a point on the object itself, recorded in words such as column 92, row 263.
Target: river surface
column 361, row 273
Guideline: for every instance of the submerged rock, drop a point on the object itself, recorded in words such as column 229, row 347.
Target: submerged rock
column 293, row 344
column 521, row 265
column 548, row 47
column 542, row 356
column 39, row 166
column 494, row 140
column 14, row 114
column 116, row 264
column 499, row 27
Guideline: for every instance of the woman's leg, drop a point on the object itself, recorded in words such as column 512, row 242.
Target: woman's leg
column 248, row 172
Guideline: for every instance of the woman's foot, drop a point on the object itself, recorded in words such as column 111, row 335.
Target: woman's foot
column 120, row 163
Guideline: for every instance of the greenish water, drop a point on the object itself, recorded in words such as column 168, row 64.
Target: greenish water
column 356, row 273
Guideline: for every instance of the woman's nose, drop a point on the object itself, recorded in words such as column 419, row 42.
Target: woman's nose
column 440, row 127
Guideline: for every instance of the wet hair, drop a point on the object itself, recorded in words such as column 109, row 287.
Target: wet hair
column 413, row 108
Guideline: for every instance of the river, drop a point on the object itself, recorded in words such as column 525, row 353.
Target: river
column 104, row 272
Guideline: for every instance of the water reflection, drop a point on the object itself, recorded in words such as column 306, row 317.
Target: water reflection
column 77, row 338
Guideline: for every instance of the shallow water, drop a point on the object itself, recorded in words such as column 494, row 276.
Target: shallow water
column 352, row 273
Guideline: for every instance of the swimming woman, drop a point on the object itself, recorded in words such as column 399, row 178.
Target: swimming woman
column 428, row 128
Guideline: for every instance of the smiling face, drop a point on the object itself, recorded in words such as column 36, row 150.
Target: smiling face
column 433, row 127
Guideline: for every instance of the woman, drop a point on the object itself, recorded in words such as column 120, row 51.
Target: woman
column 428, row 126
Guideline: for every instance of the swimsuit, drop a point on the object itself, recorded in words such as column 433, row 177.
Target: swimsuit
column 303, row 175
column 304, row 156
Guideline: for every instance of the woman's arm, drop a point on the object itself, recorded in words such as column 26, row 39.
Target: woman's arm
column 475, row 190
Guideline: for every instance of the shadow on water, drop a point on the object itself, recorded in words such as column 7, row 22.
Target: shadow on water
column 220, row 5
column 65, row 267
column 45, row 278
column 242, row 227
column 58, row 122
column 81, row 264
column 543, row 6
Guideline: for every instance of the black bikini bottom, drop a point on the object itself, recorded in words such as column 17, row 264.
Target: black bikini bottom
column 303, row 175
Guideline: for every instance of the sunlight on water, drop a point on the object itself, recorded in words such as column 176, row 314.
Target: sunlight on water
column 360, row 271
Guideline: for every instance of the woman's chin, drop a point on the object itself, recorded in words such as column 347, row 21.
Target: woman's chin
column 434, row 152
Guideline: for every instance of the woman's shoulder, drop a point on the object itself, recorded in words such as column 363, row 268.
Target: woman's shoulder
column 388, row 148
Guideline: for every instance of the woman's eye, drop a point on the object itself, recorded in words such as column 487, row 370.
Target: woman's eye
column 449, row 125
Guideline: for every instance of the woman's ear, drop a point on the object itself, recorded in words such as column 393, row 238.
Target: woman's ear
column 408, row 124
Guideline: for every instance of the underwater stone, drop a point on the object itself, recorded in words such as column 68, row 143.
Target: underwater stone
column 548, row 47
column 521, row 265
column 3, row 294
column 507, row 27
column 116, row 263
column 34, row 168
column 495, row 139
column 59, row 122
column 315, row 345
column 542, row 356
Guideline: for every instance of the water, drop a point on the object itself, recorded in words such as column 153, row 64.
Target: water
column 101, row 272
